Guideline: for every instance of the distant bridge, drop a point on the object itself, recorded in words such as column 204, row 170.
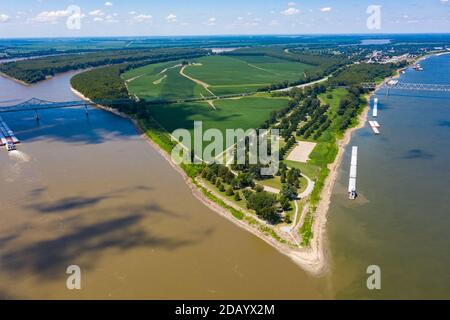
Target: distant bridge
column 408, row 86
column 35, row 104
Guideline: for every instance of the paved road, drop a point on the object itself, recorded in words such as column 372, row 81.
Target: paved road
column 309, row 188
column 304, row 85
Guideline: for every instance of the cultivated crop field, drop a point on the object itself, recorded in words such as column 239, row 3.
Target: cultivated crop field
column 162, row 81
column 245, row 113
column 212, row 75
column 238, row 74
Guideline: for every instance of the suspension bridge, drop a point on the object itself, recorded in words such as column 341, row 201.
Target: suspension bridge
column 393, row 84
column 7, row 137
column 36, row 104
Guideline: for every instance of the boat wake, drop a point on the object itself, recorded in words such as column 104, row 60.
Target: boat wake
column 19, row 156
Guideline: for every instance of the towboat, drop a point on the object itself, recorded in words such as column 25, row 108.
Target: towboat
column 10, row 146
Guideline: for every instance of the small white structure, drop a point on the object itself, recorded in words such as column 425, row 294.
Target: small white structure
column 392, row 82
column 375, row 125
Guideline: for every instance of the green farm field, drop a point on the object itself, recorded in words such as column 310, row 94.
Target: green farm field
column 239, row 74
column 162, row 81
column 221, row 74
column 245, row 113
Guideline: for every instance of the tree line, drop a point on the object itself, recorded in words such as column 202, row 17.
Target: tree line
column 38, row 69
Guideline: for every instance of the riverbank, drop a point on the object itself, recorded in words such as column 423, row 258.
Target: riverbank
column 4, row 75
column 312, row 258
column 320, row 215
column 309, row 260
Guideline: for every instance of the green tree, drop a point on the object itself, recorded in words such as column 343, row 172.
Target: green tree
column 288, row 191
column 285, row 204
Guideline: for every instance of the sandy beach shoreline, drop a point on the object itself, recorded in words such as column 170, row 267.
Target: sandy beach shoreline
column 4, row 75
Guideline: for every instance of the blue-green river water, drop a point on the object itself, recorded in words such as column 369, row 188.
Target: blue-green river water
column 401, row 220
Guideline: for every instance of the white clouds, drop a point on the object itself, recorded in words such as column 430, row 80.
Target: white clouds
column 274, row 23
column 290, row 11
column 444, row 1
column 51, row 16
column 251, row 24
column 99, row 16
column 108, row 4
column 4, row 18
column 96, row 13
column 325, row 9
column 132, row 13
column 110, row 19
column 143, row 18
column 171, row 18
column 211, row 21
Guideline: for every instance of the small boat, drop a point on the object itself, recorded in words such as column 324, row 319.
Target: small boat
column 10, row 146
column 418, row 67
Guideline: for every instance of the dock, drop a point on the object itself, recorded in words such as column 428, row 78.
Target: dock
column 375, row 126
column 6, row 134
column 352, row 176
column 375, row 108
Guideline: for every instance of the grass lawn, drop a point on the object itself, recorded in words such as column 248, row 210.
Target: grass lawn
column 275, row 182
column 227, row 75
column 242, row 203
column 337, row 95
column 272, row 182
column 311, row 170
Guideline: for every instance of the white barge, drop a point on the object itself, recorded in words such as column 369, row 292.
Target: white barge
column 7, row 136
column 352, row 178
column 375, row 108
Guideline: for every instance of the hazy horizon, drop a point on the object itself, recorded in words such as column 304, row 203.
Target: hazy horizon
column 137, row 18
column 377, row 35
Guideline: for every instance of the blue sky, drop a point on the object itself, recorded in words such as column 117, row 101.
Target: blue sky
column 47, row 18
